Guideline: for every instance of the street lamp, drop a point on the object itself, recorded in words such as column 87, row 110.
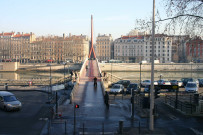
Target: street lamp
column 50, row 88
column 191, row 67
column 111, row 73
column 140, row 72
column 64, row 63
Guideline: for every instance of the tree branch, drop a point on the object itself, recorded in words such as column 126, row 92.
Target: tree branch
column 200, row 17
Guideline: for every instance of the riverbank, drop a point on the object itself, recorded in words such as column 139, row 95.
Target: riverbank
column 132, row 67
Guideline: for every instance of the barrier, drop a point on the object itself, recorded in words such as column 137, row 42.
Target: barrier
column 77, row 82
column 102, row 83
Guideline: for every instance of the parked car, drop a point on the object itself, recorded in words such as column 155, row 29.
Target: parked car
column 155, row 83
column 184, row 80
column 147, row 88
column 163, row 82
column 125, row 83
column 133, row 86
column 174, row 82
column 117, row 88
column 180, row 84
column 194, row 80
column 145, row 82
column 9, row 102
column 200, row 82
column 191, row 87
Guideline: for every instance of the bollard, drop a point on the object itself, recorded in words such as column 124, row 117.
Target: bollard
column 102, row 128
column 83, row 128
column 120, row 127
column 65, row 127
column 139, row 128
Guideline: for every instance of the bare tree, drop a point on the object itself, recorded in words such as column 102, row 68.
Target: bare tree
column 184, row 15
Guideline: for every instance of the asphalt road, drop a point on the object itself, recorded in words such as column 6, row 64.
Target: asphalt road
column 27, row 120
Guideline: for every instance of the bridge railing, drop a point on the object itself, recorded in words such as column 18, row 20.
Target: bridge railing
column 100, row 74
column 75, row 88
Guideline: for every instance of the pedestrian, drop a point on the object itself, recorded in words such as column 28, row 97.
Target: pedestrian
column 71, row 73
column 104, row 74
column 75, row 75
column 106, row 98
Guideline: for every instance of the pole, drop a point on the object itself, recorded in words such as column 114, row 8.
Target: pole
column 74, row 132
column 50, row 82
column 140, row 73
column 176, row 105
column 56, row 103
column 151, row 116
column 111, row 73
column 64, row 74
column 132, row 104
column 191, row 69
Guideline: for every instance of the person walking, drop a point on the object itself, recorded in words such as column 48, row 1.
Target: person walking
column 95, row 81
column 106, row 99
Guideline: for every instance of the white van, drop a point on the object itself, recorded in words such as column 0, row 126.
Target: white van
column 9, row 102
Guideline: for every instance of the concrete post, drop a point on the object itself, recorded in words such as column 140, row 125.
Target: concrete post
column 120, row 127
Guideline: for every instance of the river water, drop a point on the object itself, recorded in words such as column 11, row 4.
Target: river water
column 30, row 75
column 124, row 75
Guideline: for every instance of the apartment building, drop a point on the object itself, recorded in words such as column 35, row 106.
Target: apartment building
column 5, row 45
column 162, row 48
column 194, row 50
column 55, row 48
column 27, row 48
column 16, row 47
column 104, row 47
column 129, row 48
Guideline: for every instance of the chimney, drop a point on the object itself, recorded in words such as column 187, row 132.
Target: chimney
column 69, row 34
column 63, row 35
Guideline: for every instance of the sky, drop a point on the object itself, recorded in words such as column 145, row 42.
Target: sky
column 55, row 17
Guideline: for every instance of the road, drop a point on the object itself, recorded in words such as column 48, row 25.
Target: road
column 27, row 120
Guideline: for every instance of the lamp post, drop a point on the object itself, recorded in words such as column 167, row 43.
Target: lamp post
column 64, row 63
column 111, row 73
column 191, row 67
column 50, row 88
column 140, row 73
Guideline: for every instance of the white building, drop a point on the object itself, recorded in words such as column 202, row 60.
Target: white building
column 129, row 48
column 162, row 48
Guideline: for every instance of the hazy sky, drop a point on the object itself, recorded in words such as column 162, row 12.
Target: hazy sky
column 55, row 17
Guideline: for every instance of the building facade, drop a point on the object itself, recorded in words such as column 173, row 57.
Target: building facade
column 162, row 48
column 16, row 47
column 104, row 47
column 194, row 50
column 27, row 48
column 129, row 48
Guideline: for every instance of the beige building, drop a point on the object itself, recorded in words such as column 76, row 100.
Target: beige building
column 104, row 47
column 15, row 47
column 74, row 48
column 26, row 48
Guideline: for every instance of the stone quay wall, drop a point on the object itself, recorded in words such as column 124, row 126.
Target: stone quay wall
column 147, row 67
